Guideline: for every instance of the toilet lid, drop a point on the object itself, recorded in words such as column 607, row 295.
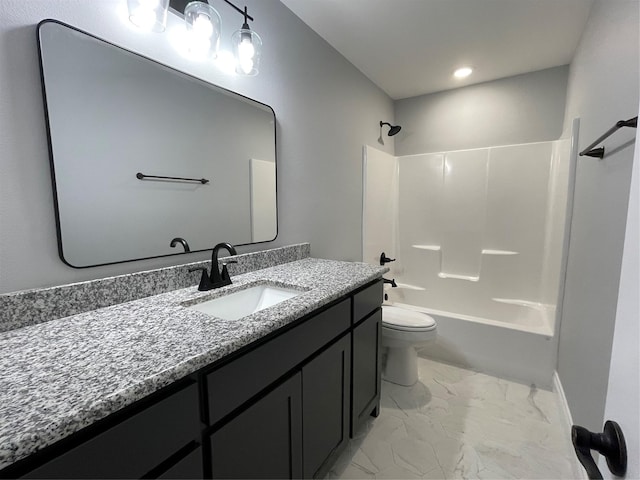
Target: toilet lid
column 401, row 319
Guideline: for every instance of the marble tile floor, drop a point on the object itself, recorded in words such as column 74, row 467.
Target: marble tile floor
column 456, row 423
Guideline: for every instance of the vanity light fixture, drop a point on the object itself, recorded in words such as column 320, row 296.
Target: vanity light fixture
column 247, row 47
column 463, row 72
column 148, row 14
column 203, row 24
column 203, row 27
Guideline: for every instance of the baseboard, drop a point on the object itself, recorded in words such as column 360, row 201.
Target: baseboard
column 566, row 412
column 567, row 420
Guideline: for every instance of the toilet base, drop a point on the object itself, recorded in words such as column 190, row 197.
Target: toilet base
column 401, row 366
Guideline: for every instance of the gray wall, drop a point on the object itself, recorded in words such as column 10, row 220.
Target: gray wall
column 326, row 110
column 520, row 109
column 603, row 88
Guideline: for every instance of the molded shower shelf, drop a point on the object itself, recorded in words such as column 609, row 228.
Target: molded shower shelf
column 469, row 278
column 408, row 286
column 459, row 277
column 433, row 248
column 487, row 251
column 523, row 303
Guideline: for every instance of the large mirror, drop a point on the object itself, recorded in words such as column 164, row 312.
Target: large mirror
column 117, row 121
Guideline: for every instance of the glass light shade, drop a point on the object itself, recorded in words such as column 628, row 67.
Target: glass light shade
column 203, row 26
column 148, row 15
column 247, row 48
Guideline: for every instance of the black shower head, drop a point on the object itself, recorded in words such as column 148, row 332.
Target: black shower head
column 393, row 129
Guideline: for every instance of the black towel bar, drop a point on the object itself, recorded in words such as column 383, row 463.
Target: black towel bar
column 142, row 176
column 599, row 152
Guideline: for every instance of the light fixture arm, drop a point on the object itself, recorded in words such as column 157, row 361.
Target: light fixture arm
column 179, row 6
column 242, row 12
column 246, row 43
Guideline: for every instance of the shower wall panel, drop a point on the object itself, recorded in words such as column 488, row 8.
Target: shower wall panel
column 516, row 217
column 420, row 199
column 380, row 205
column 473, row 230
column 463, row 213
column 556, row 221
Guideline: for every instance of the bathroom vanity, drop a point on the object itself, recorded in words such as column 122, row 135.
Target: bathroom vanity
column 273, row 395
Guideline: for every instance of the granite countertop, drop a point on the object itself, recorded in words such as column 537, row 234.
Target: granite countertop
column 60, row 376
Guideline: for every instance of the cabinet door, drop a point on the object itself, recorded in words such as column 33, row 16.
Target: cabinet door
column 134, row 446
column 325, row 407
column 265, row 364
column 265, row 440
column 366, row 370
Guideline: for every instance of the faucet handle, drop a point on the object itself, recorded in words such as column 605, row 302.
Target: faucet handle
column 225, row 273
column 205, row 281
column 384, row 259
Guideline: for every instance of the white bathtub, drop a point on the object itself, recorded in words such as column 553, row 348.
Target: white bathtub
column 522, row 350
column 480, row 233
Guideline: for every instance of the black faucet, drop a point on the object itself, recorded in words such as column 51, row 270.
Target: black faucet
column 182, row 241
column 392, row 282
column 216, row 279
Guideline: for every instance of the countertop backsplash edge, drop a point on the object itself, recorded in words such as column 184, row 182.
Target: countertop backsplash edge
column 30, row 307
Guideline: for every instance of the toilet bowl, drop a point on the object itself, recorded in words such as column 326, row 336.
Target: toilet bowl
column 403, row 331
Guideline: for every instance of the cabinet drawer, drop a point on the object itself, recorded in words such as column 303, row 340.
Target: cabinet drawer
column 366, row 301
column 235, row 383
column 134, row 446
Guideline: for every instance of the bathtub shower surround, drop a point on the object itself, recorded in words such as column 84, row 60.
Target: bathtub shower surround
column 478, row 239
column 479, row 247
column 29, row 307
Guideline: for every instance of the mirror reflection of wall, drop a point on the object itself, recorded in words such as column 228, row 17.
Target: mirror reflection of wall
column 112, row 114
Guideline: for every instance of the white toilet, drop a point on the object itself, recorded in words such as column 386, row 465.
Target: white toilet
column 403, row 331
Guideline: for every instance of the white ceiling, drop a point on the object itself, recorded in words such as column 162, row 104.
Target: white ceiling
column 412, row 47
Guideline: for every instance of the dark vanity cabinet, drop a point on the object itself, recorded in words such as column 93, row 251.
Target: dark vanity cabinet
column 300, row 426
column 296, row 429
column 297, row 426
column 187, row 467
column 366, row 358
column 264, row 440
column 282, row 407
column 326, row 383
column 157, row 431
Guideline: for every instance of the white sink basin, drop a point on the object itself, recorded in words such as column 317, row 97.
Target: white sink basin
column 245, row 302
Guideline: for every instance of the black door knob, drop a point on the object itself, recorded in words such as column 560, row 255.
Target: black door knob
column 610, row 443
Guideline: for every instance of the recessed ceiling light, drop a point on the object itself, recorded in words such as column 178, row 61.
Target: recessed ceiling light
column 463, row 72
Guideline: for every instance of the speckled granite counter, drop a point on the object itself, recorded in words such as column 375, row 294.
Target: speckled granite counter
column 28, row 307
column 60, row 376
